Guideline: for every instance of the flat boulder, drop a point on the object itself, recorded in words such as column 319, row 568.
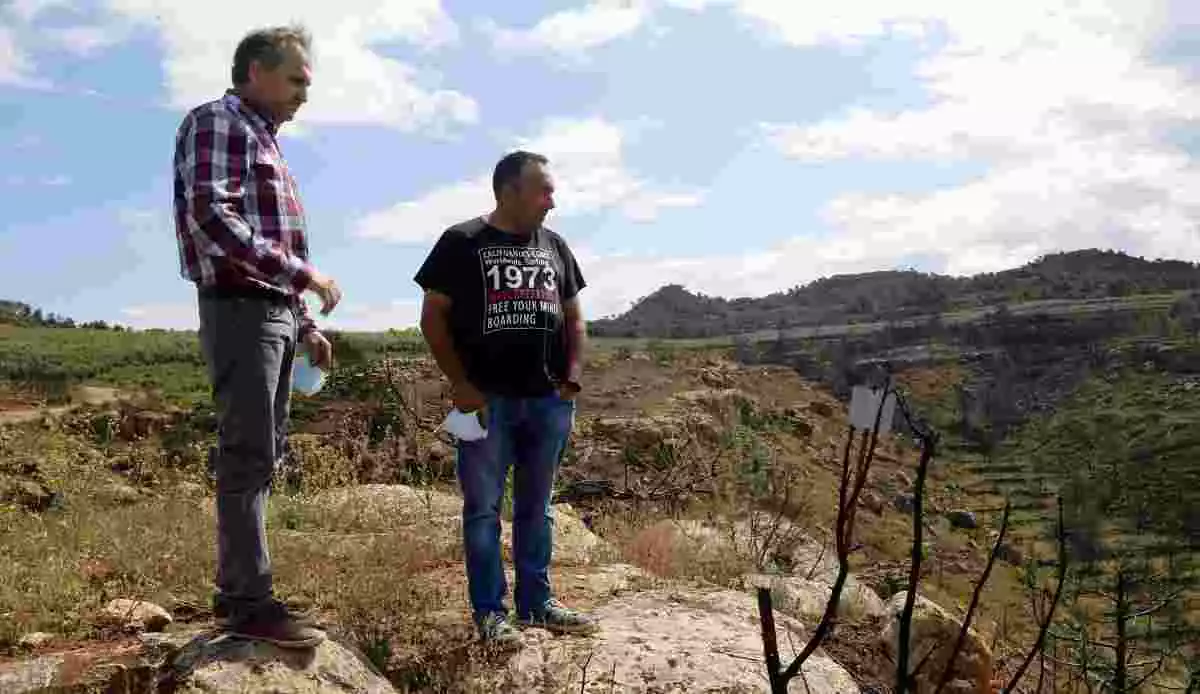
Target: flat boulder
column 666, row 641
column 436, row 516
column 805, row 598
column 224, row 664
column 194, row 661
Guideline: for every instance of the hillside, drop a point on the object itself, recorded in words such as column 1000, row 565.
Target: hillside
column 673, row 312
column 689, row 480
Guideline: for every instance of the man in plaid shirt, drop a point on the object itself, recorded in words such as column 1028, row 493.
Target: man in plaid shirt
column 240, row 227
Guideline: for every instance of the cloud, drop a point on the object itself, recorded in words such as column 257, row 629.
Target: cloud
column 1059, row 103
column 16, row 68
column 1056, row 101
column 28, row 10
column 617, row 280
column 86, row 40
column 355, row 83
column 586, row 158
column 575, row 31
column 398, row 313
column 171, row 316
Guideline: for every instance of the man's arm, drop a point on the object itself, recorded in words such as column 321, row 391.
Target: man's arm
column 435, row 327
column 575, row 328
column 214, row 182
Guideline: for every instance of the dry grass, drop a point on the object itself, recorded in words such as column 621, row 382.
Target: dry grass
column 391, row 587
column 62, row 566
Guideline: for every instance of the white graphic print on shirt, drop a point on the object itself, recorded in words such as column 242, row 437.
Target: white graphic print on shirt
column 520, row 288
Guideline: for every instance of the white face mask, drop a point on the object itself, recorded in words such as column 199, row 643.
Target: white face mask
column 306, row 377
column 463, row 426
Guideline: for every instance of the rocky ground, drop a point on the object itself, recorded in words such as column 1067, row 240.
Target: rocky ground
column 690, row 482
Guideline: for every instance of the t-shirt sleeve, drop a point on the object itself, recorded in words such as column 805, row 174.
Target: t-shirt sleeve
column 572, row 280
column 438, row 272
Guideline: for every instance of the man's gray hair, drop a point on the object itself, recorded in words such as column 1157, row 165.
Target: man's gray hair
column 266, row 46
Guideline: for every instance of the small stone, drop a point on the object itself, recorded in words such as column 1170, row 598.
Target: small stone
column 871, row 501
column 822, row 409
column 35, row 640
column 136, row 614
column 27, row 494
column 1012, row 554
column 962, row 519
column 440, row 452
column 118, row 494
column 189, row 490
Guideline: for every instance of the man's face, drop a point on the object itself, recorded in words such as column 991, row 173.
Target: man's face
column 533, row 197
column 284, row 90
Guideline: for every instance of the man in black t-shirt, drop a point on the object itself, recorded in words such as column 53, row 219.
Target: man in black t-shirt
column 501, row 316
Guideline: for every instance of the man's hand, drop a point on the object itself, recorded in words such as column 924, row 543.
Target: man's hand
column 467, row 397
column 567, row 391
column 324, row 286
column 319, row 351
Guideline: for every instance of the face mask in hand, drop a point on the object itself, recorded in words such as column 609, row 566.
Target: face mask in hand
column 464, row 426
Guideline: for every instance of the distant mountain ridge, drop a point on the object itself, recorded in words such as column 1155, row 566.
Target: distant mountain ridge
column 23, row 314
column 673, row 311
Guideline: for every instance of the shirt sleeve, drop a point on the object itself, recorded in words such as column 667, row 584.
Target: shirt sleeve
column 215, row 159
column 572, row 280
column 441, row 265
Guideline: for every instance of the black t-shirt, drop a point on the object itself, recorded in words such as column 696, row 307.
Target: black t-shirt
column 506, row 296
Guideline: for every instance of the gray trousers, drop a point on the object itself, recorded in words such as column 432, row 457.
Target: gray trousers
column 248, row 345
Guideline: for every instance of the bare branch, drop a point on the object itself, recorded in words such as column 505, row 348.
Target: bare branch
column 1049, row 616
column 966, row 625
column 766, row 617
column 843, row 534
column 914, row 574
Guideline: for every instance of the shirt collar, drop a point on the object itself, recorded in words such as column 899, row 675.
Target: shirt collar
column 233, row 99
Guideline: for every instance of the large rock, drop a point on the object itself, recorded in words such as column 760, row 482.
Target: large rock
column 642, row 434
column 935, row 630
column 758, row 542
column 574, row 543
column 805, row 598
column 726, row 404
column 381, row 506
column 192, row 662
column 664, row 641
column 206, row 665
column 437, row 516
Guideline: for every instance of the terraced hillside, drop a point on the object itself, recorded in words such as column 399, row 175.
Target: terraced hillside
column 1097, row 407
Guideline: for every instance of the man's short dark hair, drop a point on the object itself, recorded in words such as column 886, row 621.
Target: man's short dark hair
column 267, row 46
column 509, row 168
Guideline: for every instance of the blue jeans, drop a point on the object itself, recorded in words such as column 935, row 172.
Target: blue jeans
column 528, row 434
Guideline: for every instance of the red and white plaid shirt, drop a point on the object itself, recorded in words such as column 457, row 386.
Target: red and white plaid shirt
column 238, row 217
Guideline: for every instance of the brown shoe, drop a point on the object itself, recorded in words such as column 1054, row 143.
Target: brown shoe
column 299, row 612
column 275, row 625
